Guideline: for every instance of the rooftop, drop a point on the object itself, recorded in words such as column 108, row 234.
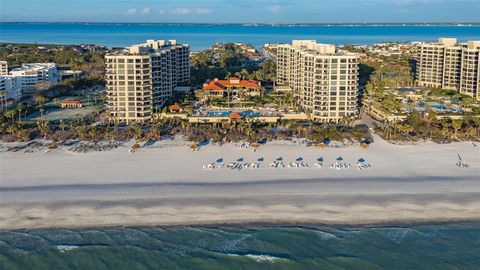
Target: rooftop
column 70, row 102
column 452, row 42
column 311, row 46
column 175, row 107
column 34, row 66
column 151, row 47
column 218, row 85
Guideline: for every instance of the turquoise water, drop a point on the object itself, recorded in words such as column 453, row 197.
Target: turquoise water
column 227, row 113
column 451, row 246
column 203, row 36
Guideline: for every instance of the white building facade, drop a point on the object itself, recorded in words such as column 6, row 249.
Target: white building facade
column 22, row 82
column 3, row 68
column 3, row 94
column 324, row 81
column 450, row 65
column 12, row 87
column 141, row 78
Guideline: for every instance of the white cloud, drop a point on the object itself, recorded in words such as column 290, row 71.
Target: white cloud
column 186, row 11
column 203, row 11
column 408, row 2
column 131, row 11
column 162, row 11
column 181, row 11
column 146, row 10
column 274, row 8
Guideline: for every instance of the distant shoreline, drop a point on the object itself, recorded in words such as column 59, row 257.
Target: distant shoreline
column 202, row 36
column 435, row 24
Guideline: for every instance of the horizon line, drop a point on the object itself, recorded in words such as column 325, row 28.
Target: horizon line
column 250, row 23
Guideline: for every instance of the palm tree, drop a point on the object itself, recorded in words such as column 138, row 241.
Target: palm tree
column 12, row 129
column 44, row 129
column 445, row 131
column 138, row 132
column 21, row 108
column 471, row 132
column 244, row 73
column 94, row 133
column 229, row 91
column 457, row 125
column 11, row 114
column 23, row 134
column 82, row 132
column 129, row 132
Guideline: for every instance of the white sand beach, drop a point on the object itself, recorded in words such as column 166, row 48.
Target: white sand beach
column 165, row 184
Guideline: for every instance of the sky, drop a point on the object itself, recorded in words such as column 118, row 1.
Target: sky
column 240, row 11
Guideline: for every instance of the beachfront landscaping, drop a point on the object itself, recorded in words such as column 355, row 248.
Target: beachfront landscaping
column 405, row 112
column 386, row 80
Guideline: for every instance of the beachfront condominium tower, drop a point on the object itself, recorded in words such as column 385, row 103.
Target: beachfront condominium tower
column 450, row 65
column 3, row 68
column 141, row 78
column 324, row 80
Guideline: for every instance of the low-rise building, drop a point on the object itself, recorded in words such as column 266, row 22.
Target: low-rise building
column 24, row 81
column 232, row 88
column 175, row 108
column 71, row 104
column 11, row 86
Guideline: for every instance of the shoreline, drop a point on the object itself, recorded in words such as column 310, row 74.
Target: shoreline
column 348, row 202
column 263, row 225
column 253, row 24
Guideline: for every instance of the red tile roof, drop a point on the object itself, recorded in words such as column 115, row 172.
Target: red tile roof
column 235, row 116
column 70, row 102
column 218, row 85
column 175, row 107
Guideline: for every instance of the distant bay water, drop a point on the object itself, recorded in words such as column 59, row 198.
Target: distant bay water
column 202, row 36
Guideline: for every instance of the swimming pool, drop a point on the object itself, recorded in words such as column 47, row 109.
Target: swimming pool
column 227, row 113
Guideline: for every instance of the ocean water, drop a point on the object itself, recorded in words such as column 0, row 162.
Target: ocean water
column 447, row 246
column 203, row 36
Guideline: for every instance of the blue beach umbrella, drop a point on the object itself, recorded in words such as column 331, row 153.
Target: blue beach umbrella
column 299, row 159
column 262, row 141
column 320, row 159
column 339, row 158
column 361, row 160
column 326, row 141
column 365, row 141
column 204, row 142
column 279, row 159
column 260, row 159
column 220, row 160
column 240, row 159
